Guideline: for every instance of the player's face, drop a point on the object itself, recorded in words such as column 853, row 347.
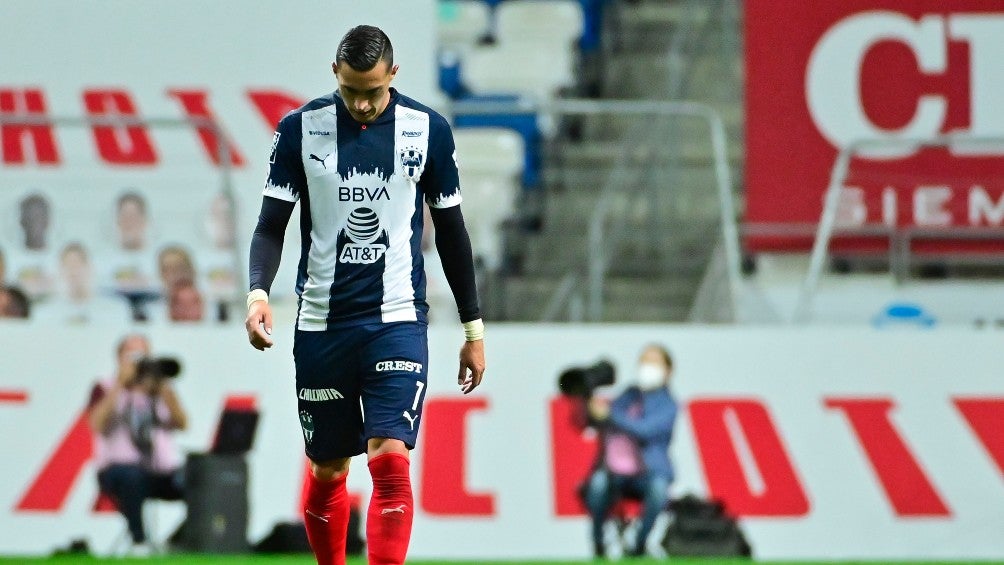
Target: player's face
column 366, row 93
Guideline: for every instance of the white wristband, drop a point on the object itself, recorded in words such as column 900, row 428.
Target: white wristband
column 256, row 295
column 474, row 330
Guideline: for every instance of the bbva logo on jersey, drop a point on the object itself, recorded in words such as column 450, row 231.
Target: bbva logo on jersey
column 363, row 229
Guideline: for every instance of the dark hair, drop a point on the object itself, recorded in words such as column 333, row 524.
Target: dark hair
column 34, row 200
column 19, row 305
column 363, row 47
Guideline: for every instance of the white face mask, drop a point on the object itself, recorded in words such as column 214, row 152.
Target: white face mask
column 650, row 376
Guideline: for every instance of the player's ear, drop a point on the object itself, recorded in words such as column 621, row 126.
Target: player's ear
column 393, row 71
column 334, row 67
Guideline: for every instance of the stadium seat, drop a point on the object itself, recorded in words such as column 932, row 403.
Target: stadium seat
column 491, row 161
column 525, row 124
column 547, row 23
column 525, row 68
column 462, row 23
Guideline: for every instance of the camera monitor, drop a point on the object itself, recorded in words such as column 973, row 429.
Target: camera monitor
column 236, row 429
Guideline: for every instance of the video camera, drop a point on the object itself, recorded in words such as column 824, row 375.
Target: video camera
column 158, row 367
column 582, row 381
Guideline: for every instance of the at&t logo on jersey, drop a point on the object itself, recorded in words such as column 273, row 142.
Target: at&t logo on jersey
column 363, row 229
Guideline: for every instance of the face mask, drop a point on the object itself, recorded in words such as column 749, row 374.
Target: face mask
column 650, row 377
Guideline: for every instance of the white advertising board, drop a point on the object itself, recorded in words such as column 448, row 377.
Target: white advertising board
column 829, row 443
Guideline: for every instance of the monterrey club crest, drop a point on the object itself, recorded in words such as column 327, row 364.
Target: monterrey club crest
column 412, row 162
column 307, row 424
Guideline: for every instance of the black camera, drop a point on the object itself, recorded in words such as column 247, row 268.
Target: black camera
column 158, row 367
column 582, row 381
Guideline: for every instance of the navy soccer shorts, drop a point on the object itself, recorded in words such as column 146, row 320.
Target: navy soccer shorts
column 358, row 383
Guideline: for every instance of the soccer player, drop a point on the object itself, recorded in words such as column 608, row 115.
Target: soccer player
column 360, row 161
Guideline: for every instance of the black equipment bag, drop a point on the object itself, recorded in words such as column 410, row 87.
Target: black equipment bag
column 702, row 528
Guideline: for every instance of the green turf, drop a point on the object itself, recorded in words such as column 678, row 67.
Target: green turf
column 307, row 560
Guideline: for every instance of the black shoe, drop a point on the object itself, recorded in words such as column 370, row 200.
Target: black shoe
column 635, row 552
column 599, row 551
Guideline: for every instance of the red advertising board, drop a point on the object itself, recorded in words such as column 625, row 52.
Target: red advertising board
column 823, row 75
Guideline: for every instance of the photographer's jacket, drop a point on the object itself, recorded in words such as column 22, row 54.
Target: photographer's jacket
column 645, row 418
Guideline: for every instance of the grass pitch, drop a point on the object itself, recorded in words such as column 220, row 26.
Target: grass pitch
column 255, row 559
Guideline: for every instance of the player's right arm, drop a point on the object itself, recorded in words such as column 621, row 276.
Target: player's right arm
column 286, row 180
column 266, row 251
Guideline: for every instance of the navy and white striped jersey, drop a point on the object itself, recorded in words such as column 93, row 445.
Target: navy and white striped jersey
column 360, row 189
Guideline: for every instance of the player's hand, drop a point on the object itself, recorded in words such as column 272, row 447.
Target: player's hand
column 472, row 365
column 259, row 325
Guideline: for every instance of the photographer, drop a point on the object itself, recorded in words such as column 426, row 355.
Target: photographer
column 636, row 429
column 133, row 416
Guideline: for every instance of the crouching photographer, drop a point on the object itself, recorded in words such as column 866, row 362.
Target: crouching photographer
column 134, row 415
column 635, row 431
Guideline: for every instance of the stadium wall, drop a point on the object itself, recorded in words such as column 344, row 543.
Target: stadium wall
column 830, row 444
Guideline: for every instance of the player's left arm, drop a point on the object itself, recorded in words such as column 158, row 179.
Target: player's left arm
column 441, row 185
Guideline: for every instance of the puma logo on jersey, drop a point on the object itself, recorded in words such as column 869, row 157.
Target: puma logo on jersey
column 411, row 419
column 392, row 510
column 321, row 161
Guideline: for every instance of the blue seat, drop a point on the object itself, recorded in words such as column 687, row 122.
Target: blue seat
column 525, row 124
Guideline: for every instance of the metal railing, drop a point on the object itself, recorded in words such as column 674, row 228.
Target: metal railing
column 597, row 262
column 899, row 238
column 598, row 251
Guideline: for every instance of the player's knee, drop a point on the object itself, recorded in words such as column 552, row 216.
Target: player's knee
column 328, row 470
column 381, row 445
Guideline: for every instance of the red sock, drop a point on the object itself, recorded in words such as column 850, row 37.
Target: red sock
column 388, row 522
column 326, row 516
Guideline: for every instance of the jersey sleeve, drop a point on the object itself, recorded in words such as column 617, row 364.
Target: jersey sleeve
column 441, row 179
column 286, row 178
